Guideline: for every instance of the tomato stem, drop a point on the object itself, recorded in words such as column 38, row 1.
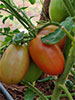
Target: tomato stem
column 68, row 34
column 63, row 87
column 69, row 7
column 62, row 95
column 47, row 24
column 62, row 78
column 35, row 90
column 24, row 20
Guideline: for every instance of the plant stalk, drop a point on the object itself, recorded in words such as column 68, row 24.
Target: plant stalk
column 35, row 90
column 68, row 34
column 62, row 78
column 62, row 95
column 66, row 91
column 69, row 7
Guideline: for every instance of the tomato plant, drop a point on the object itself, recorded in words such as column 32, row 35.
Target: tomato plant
column 45, row 51
column 33, row 73
column 45, row 56
column 14, row 64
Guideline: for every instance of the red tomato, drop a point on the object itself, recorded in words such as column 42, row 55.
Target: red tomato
column 49, row 29
column 48, row 58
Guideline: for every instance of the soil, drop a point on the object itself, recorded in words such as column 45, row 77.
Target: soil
column 18, row 91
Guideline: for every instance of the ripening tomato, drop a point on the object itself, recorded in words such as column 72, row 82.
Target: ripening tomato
column 14, row 64
column 33, row 73
column 57, row 11
column 48, row 58
column 49, row 29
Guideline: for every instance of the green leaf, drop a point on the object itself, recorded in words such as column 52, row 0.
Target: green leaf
column 2, row 6
column 32, row 1
column 16, row 31
column 46, row 79
column 29, row 95
column 1, row 16
column 0, row 29
column 19, row 37
column 23, row 8
column 58, row 34
column 10, row 17
column 4, row 20
column 69, row 84
column 6, row 30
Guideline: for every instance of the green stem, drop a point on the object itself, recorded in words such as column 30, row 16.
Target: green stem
column 68, row 34
column 62, row 95
column 62, row 78
column 5, row 10
column 35, row 90
column 19, row 17
column 69, row 7
column 66, row 91
column 25, row 16
column 6, row 34
column 47, row 24
column 15, row 13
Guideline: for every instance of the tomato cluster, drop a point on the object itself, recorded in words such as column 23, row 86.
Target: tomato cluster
column 15, row 64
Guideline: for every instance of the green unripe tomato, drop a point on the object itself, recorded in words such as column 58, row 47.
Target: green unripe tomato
column 57, row 11
column 33, row 73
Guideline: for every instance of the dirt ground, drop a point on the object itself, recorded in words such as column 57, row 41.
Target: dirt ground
column 18, row 91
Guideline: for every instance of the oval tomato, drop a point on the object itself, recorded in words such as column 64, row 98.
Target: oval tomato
column 14, row 64
column 33, row 73
column 49, row 29
column 57, row 11
column 48, row 58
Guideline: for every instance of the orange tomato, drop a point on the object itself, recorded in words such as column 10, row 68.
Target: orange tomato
column 50, row 29
column 48, row 58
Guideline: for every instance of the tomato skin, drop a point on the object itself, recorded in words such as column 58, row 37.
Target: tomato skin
column 14, row 64
column 48, row 58
column 33, row 73
column 57, row 11
column 50, row 29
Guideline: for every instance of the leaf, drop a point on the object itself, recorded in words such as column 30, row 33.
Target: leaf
column 31, row 17
column 23, row 8
column 19, row 37
column 10, row 17
column 2, row 6
column 6, row 30
column 46, row 79
column 1, row 16
column 16, row 31
column 69, row 84
column 32, row 1
column 4, row 20
column 29, row 95
column 0, row 30
column 58, row 34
